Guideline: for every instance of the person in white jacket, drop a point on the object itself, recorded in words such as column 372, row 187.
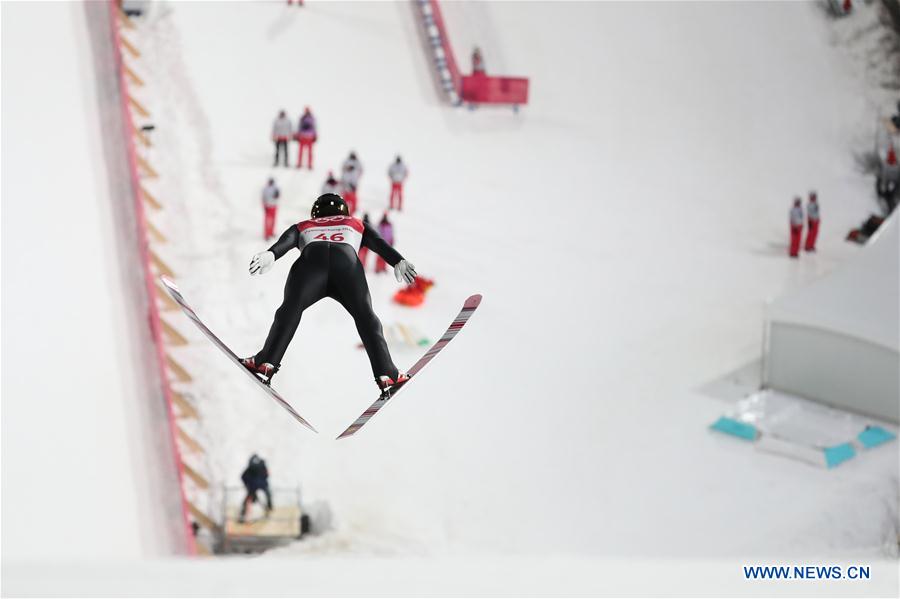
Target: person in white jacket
column 796, row 220
column 352, row 163
column 397, row 173
column 349, row 182
column 281, row 134
column 813, row 217
column 270, row 195
column 351, row 171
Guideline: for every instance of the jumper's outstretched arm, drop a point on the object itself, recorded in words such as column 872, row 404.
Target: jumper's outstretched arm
column 404, row 271
column 375, row 242
column 288, row 241
column 263, row 261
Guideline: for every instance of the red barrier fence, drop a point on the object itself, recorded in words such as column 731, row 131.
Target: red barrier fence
column 449, row 56
column 484, row 89
column 477, row 88
column 153, row 310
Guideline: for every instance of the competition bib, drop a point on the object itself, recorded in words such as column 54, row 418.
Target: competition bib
column 336, row 229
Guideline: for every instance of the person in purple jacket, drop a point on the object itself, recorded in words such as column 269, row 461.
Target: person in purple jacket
column 386, row 230
column 306, row 135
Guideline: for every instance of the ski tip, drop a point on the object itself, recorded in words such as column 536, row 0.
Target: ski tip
column 168, row 282
column 296, row 416
column 347, row 433
column 473, row 301
column 304, row 422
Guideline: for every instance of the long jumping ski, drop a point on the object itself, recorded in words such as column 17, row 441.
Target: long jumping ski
column 176, row 295
column 455, row 327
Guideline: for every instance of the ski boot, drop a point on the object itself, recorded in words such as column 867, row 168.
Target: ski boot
column 264, row 372
column 389, row 385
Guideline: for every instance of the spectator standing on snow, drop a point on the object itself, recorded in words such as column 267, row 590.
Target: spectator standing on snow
column 331, row 185
column 306, row 135
column 888, row 180
column 363, row 250
column 281, row 133
column 255, row 478
column 349, row 181
column 270, row 195
column 386, row 230
column 352, row 163
column 397, row 173
column 796, row 220
column 351, row 171
column 812, row 221
column 477, row 62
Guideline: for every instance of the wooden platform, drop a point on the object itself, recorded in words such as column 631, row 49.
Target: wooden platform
column 283, row 522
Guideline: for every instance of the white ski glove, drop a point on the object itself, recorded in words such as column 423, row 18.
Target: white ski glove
column 261, row 263
column 405, row 272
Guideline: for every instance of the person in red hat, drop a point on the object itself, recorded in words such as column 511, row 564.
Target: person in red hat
column 887, row 182
column 796, row 219
column 331, row 185
column 812, row 222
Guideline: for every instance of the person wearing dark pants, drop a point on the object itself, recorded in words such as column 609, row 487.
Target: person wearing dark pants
column 281, row 133
column 281, row 150
column 255, row 478
column 329, row 266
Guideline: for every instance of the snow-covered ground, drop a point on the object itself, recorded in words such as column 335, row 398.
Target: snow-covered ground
column 86, row 463
column 625, row 229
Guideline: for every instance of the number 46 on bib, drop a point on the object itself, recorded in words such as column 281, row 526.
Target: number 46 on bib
column 332, row 237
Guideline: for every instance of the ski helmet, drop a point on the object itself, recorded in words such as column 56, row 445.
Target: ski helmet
column 329, row 204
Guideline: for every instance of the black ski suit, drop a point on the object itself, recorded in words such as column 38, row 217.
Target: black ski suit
column 330, row 269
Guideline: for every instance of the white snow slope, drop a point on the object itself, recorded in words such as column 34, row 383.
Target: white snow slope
column 87, row 471
column 625, row 229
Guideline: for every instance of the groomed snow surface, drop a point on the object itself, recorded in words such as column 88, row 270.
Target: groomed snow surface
column 87, row 466
column 625, row 229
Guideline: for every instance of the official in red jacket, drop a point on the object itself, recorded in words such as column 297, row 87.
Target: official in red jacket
column 812, row 221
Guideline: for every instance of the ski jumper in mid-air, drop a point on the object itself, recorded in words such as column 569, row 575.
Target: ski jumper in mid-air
column 329, row 266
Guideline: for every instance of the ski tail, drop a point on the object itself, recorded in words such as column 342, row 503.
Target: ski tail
column 173, row 290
